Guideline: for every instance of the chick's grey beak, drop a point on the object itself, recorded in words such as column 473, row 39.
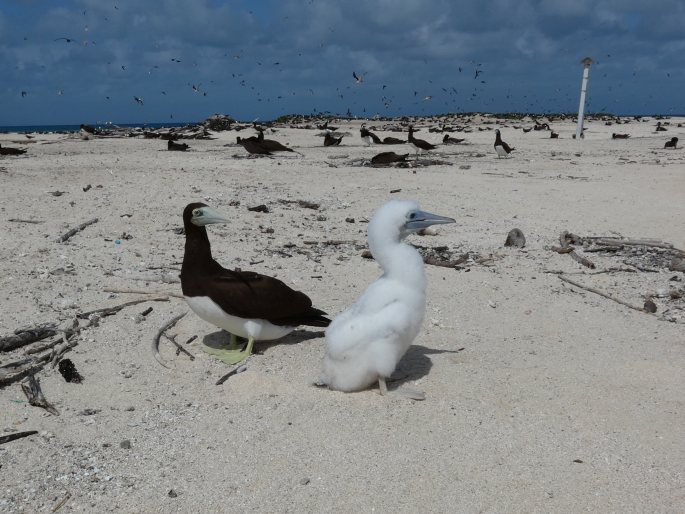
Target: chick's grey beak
column 209, row 217
column 426, row 219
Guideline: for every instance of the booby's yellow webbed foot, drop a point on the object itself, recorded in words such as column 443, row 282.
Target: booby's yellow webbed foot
column 232, row 353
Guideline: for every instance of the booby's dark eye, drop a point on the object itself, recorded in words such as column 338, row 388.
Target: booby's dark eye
column 197, row 212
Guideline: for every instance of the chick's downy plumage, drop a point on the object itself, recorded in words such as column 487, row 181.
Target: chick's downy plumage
column 366, row 342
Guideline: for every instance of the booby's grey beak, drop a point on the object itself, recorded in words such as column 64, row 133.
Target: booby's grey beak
column 422, row 219
column 206, row 216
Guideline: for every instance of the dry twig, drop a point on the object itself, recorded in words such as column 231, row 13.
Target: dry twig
column 64, row 237
column 141, row 291
column 17, row 435
column 601, row 293
column 32, row 390
column 158, row 335
column 108, row 311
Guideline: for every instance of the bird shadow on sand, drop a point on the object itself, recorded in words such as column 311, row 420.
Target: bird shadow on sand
column 414, row 365
column 221, row 339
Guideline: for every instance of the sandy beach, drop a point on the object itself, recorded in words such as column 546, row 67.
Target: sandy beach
column 541, row 396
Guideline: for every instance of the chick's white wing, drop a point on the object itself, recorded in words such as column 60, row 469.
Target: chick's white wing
column 352, row 331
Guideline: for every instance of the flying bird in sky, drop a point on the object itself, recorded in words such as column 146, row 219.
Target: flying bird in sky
column 358, row 78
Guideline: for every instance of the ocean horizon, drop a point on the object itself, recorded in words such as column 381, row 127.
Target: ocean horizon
column 75, row 128
column 104, row 126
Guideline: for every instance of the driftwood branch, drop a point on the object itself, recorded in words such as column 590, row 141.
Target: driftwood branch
column 600, row 293
column 17, row 220
column 15, row 371
column 24, row 336
column 238, row 369
column 158, row 336
column 17, row 435
column 179, row 347
column 619, row 241
column 331, row 242
column 108, row 311
column 64, row 237
column 568, row 239
column 445, row 263
column 32, row 390
column 140, row 291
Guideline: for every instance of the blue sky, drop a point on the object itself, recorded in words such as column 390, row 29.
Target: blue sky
column 189, row 59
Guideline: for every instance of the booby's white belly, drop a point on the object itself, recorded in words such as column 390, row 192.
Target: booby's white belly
column 501, row 151
column 417, row 148
column 259, row 329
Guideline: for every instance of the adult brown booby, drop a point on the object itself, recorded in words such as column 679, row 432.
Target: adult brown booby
column 11, row 151
column 245, row 303
column 393, row 141
column 447, row 140
column 501, row 147
column 329, row 140
column 419, row 144
column 252, row 146
column 389, row 158
column 176, row 147
column 87, row 131
column 368, row 136
column 673, row 143
column 271, row 145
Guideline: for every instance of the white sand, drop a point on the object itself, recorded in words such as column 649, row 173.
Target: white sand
column 549, row 375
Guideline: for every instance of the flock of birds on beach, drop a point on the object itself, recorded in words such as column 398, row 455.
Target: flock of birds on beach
column 364, row 343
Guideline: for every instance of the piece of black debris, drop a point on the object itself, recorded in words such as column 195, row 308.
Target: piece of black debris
column 259, row 208
column 68, row 371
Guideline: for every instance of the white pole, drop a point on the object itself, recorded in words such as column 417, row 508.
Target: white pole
column 583, row 90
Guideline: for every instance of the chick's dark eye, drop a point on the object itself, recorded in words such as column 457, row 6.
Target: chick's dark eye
column 412, row 216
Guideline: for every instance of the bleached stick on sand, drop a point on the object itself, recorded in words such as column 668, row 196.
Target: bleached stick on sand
column 600, row 293
column 75, row 230
column 158, row 336
column 140, row 291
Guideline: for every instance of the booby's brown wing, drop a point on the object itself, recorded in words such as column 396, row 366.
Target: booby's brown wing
column 250, row 295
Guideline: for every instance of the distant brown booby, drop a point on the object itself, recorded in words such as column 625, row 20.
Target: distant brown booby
column 11, row 151
column 393, row 141
column 673, row 143
column 176, row 147
column 329, row 140
column 369, row 137
column 252, row 146
column 389, row 158
column 272, row 145
column 447, row 140
column 419, row 144
column 246, row 304
column 502, row 149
